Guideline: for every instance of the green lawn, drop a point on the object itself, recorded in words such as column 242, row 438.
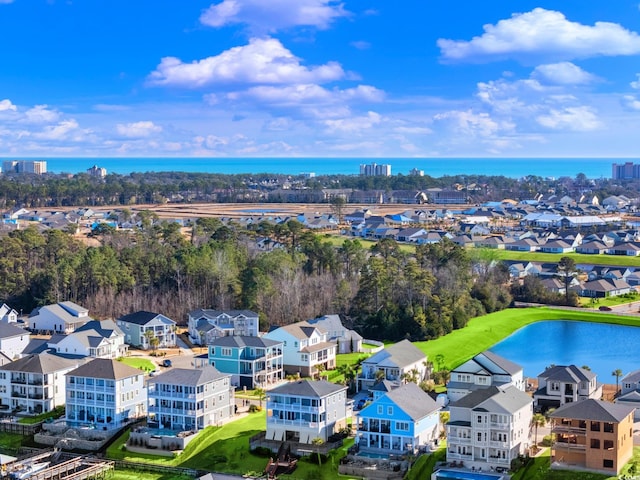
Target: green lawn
column 483, row 332
column 609, row 301
column 141, row 363
column 10, row 442
column 135, row 475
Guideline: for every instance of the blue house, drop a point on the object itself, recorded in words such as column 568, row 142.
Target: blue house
column 251, row 361
column 399, row 421
column 136, row 325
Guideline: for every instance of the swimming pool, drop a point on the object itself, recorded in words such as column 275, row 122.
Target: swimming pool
column 372, row 455
column 460, row 475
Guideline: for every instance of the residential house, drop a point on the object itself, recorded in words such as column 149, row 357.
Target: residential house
column 251, row 361
column 34, row 384
column 410, row 234
column 141, row 327
column 488, row 428
column 605, row 287
column 205, row 325
column 183, row 399
column 104, row 393
column 595, row 247
column 8, row 314
column 63, row 317
column 306, row 348
column 593, row 435
column 561, row 384
column 399, row 421
column 484, row 370
column 349, row 341
column 629, row 249
column 305, row 410
column 630, row 392
column 557, row 246
column 396, row 363
column 97, row 339
column 13, row 340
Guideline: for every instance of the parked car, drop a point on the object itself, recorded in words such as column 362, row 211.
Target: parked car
column 166, row 363
column 361, row 403
column 604, row 308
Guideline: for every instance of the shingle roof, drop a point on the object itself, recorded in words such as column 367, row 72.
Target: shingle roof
column 240, row 341
column 105, row 368
column 212, row 314
column 8, row 330
column 141, row 318
column 590, row 409
column 399, row 354
column 571, row 373
column 412, row 400
column 189, row 376
column 308, row 388
column 631, row 377
column 39, row 363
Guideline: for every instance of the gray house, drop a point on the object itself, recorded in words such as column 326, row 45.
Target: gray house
column 135, row 325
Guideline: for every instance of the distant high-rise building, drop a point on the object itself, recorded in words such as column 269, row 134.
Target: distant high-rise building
column 414, row 172
column 97, row 171
column 25, row 166
column 375, row 170
column 625, row 171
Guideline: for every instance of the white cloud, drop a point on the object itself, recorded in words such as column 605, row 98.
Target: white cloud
column 360, row 45
column 274, row 15
column 7, row 105
column 354, row 124
column 138, row 129
column 262, row 61
column 636, row 83
column 631, row 102
column 578, row 119
column 64, row 130
column 563, row 73
column 542, row 33
column 308, row 94
column 6, row 2
column 41, row 114
column 469, row 123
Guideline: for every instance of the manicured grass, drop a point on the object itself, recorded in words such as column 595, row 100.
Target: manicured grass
column 135, row 475
column 425, row 465
column 622, row 260
column 483, row 332
column 55, row 413
column 141, row 363
column 609, row 301
column 10, row 442
column 539, row 469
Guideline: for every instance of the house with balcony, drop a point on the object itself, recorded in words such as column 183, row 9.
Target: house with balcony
column 34, row 384
column 630, row 392
column 484, row 370
column 96, row 339
column 306, row 348
column 62, row 317
column 141, row 327
column 13, row 341
column 395, row 363
column 348, row 341
column 104, row 393
column 488, row 428
column 562, row 384
column 182, row 399
column 399, row 422
column 251, row 361
column 205, row 325
column 304, row 410
column 592, row 435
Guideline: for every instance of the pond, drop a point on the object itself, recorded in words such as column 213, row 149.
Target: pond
column 602, row 347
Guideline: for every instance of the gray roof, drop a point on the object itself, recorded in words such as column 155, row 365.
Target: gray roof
column 65, row 311
column 213, row 314
column 106, row 328
column 503, row 365
column 383, row 386
column 189, row 376
column 105, row 368
column 631, row 377
column 39, row 363
column 308, row 388
column 240, row 341
column 412, row 400
column 301, row 330
column 596, row 410
column 143, row 317
column 494, row 399
column 8, row 330
column 397, row 355
column 567, row 374
column 36, row 345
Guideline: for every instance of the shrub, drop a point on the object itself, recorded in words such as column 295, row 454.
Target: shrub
column 254, row 408
column 262, row 451
column 547, row 440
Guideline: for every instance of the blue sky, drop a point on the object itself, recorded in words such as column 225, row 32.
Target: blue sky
column 319, row 78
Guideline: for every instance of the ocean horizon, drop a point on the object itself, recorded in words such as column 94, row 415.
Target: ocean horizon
column 593, row 168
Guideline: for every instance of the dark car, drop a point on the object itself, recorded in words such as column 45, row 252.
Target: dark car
column 166, row 362
column 604, row 308
column 361, row 403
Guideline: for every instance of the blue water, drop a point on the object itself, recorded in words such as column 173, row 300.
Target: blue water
column 435, row 167
column 602, row 347
column 456, row 475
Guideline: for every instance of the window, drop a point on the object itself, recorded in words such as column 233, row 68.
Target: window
column 608, row 445
column 555, row 386
column 607, row 463
column 595, row 443
column 389, row 410
column 479, row 418
column 402, row 426
column 608, row 427
column 379, row 409
column 595, row 426
column 225, row 352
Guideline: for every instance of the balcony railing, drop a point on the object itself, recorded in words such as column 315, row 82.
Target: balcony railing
column 498, row 444
column 19, row 380
column 460, row 440
column 569, row 429
column 569, row 446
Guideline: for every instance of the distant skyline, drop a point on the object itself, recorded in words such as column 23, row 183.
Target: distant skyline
column 319, row 78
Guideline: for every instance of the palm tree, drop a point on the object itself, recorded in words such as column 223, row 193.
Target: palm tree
column 260, row 393
column 317, row 442
column 617, row 373
column 538, row 420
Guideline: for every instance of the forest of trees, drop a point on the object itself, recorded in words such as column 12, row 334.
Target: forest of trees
column 385, row 292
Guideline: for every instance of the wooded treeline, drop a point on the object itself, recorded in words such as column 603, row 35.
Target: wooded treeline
column 386, row 292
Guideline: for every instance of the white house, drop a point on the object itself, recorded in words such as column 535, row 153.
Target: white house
column 104, row 393
column 63, row 317
column 98, row 339
column 305, row 348
column 304, row 410
column 562, row 384
column 8, row 314
column 214, row 324
column 630, row 392
column 13, row 340
column 488, row 428
column 395, row 362
column 348, row 341
column 34, row 384
column 484, row 370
